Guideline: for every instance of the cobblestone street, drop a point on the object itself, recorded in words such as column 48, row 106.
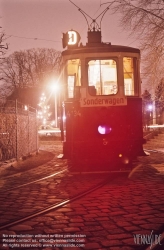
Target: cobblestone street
column 111, row 217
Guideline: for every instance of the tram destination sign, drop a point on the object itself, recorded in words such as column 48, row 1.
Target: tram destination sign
column 100, row 101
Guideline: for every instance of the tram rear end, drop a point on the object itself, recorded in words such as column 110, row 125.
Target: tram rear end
column 102, row 105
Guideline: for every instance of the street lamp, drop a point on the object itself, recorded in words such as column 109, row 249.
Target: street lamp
column 55, row 88
column 56, row 115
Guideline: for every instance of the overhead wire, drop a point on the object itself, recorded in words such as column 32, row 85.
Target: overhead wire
column 42, row 39
column 33, row 38
column 84, row 27
column 54, row 41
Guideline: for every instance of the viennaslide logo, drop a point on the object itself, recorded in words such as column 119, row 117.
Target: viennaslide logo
column 151, row 239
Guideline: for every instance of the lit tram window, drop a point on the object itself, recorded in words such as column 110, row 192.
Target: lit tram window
column 73, row 76
column 130, row 75
column 102, row 76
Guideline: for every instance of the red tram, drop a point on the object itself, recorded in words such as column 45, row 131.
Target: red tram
column 101, row 119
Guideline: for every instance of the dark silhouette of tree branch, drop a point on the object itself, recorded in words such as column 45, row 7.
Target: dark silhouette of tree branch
column 145, row 21
column 3, row 47
column 29, row 68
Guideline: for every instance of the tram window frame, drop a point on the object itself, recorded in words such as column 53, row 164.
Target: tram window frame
column 133, row 81
column 73, row 79
column 92, row 88
column 71, row 85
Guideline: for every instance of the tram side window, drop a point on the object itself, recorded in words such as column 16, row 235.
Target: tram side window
column 102, row 77
column 130, row 87
column 73, row 76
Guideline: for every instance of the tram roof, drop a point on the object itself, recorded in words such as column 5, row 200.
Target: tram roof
column 99, row 48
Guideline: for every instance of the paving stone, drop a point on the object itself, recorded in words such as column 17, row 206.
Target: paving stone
column 118, row 213
column 22, row 227
column 56, row 222
column 99, row 233
column 3, row 221
column 116, row 231
column 70, row 248
column 76, row 224
column 151, row 226
column 76, row 220
column 91, row 223
column 71, row 230
column 6, row 232
column 52, row 231
column 119, row 236
column 89, row 216
column 109, row 217
column 129, row 241
column 123, row 224
column 131, row 228
column 157, row 220
column 121, row 248
column 138, row 222
column 92, row 246
column 142, row 232
column 103, row 218
column 31, row 223
column 112, row 243
column 60, row 226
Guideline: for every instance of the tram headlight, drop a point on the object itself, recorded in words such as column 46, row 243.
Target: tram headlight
column 104, row 129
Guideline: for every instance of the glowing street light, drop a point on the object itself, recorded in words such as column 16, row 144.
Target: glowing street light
column 55, row 88
column 150, row 107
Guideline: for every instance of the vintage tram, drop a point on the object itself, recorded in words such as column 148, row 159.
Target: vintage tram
column 101, row 121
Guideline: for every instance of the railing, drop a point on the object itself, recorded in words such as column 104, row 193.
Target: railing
column 150, row 128
column 18, row 130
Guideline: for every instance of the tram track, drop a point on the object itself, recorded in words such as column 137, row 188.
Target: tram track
column 58, row 205
column 57, row 173
column 55, row 206
column 54, row 174
column 32, row 175
column 38, row 180
column 62, row 202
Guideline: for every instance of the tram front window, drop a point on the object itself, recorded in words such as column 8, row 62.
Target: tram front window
column 102, row 77
column 130, row 85
column 73, row 76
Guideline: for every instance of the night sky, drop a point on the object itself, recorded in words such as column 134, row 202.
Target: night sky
column 40, row 23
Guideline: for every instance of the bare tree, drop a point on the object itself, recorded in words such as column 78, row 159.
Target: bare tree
column 29, row 68
column 159, row 101
column 3, row 47
column 159, row 95
column 145, row 20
